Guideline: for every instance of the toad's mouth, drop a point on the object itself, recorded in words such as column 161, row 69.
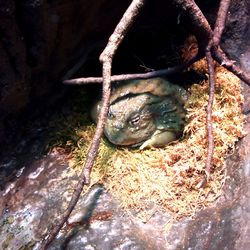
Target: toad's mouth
column 119, row 138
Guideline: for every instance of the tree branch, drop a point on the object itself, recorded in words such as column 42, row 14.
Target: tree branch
column 210, row 148
column 222, row 59
column 124, row 77
column 106, row 59
column 220, row 21
column 214, row 42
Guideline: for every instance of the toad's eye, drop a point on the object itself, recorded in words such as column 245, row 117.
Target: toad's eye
column 135, row 120
column 111, row 115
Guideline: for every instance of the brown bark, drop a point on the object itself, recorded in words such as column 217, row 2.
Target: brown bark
column 214, row 42
column 114, row 78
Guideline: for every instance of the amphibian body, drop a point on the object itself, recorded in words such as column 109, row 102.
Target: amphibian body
column 144, row 113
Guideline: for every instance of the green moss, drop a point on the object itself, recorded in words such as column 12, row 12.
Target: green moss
column 66, row 128
column 168, row 176
column 73, row 133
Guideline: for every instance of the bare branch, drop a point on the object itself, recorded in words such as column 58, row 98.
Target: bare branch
column 220, row 21
column 106, row 58
column 114, row 78
column 210, row 148
column 221, row 58
column 214, row 41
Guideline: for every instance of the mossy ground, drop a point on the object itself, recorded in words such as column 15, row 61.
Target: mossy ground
column 164, row 178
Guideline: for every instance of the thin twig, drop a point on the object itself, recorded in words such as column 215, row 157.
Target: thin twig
column 124, row 77
column 210, row 148
column 220, row 21
column 214, row 42
column 106, row 59
column 222, row 59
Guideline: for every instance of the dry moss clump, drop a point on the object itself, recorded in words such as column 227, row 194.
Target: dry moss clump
column 166, row 178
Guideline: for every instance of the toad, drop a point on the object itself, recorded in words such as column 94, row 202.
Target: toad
column 144, row 113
